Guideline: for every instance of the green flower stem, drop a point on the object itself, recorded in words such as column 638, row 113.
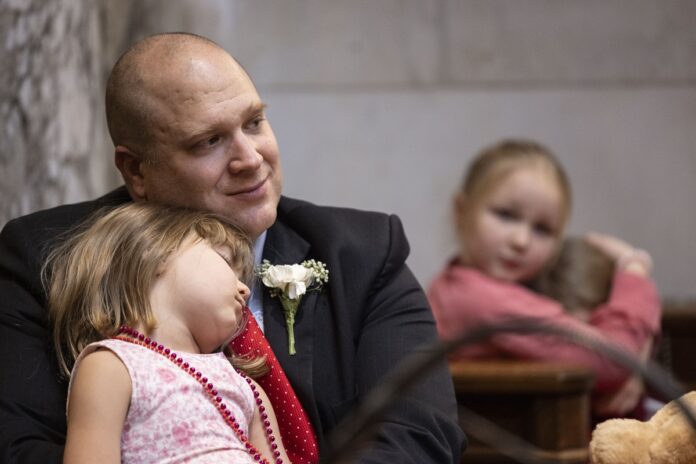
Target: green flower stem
column 290, row 321
column 289, row 310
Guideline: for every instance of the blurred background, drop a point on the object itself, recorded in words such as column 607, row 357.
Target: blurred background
column 380, row 104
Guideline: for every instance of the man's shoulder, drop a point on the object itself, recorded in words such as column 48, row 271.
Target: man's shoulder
column 329, row 216
column 25, row 240
column 48, row 222
column 355, row 232
column 364, row 249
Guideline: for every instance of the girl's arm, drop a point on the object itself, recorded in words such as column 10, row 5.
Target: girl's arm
column 626, row 399
column 257, row 435
column 626, row 257
column 97, row 407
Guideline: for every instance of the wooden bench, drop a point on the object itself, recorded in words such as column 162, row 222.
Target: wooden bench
column 547, row 405
column 676, row 350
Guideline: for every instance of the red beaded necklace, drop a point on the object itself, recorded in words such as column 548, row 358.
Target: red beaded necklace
column 135, row 337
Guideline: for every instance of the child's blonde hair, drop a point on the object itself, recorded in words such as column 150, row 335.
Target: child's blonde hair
column 100, row 277
column 494, row 163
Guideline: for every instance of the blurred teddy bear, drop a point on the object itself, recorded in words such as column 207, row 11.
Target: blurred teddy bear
column 667, row 438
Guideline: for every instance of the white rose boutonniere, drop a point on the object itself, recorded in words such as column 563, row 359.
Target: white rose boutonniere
column 288, row 282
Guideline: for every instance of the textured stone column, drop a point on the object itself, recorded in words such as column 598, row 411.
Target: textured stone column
column 51, row 114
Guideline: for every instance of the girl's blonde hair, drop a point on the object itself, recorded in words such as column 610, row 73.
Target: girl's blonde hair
column 496, row 162
column 100, row 276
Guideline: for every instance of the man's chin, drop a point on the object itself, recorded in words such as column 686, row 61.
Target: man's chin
column 253, row 221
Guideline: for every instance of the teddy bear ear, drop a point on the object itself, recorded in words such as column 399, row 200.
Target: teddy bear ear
column 674, row 439
column 620, row 441
column 689, row 399
column 669, row 410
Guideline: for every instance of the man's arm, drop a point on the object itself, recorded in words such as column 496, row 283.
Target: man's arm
column 422, row 426
column 372, row 315
column 32, row 413
column 32, row 393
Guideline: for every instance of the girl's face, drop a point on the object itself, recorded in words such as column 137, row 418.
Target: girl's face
column 199, row 296
column 513, row 231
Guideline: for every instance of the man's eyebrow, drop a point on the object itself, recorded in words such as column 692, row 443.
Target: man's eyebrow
column 255, row 108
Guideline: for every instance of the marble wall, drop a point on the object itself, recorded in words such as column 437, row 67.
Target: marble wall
column 51, row 146
column 380, row 105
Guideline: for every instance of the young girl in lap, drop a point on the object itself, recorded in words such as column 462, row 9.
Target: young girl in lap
column 141, row 301
column 510, row 215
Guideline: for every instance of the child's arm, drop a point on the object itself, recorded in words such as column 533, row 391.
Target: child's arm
column 97, row 408
column 463, row 299
column 626, row 257
column 626, row 399
column 257, row 435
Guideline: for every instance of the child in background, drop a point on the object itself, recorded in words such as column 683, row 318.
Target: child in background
column 141, row 300
column 510, row 216
column 580, row 279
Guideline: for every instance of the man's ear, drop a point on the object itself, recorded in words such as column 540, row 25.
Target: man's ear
column 130, row 165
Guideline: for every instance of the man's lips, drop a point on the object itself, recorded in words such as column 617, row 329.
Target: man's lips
column 250, row 190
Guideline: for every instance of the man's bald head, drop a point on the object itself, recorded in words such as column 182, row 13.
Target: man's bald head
column 144, row 75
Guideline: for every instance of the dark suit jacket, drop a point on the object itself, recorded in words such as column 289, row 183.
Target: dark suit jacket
column 371, row 314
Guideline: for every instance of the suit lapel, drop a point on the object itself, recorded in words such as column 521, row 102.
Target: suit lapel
column 285, row 246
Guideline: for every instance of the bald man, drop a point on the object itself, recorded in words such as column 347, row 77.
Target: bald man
column 189, row 128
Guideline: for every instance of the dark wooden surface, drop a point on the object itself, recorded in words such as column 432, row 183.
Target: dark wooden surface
column 677, row 345
column 547, row 405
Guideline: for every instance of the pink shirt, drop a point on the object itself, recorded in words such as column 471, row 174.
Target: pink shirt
column 170, row 418
column 463, row 298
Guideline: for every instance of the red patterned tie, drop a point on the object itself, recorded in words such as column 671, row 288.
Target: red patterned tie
column 295, row 429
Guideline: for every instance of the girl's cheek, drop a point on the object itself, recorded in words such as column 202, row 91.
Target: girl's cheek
column 545, row 251
column 552, row 251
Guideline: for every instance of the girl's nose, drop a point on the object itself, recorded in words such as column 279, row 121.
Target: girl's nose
column 243, row 290
column 521, row 237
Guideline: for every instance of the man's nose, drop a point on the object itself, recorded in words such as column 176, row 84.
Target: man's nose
column 243, row 154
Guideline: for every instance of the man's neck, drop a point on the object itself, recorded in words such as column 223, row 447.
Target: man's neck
column 256, row 298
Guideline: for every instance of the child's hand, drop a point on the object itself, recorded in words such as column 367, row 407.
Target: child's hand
column 621, row 402
column 626, row 399
column 611, row 246
column 626, row 257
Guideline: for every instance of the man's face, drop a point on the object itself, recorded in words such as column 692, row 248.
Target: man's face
column 212, row 146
